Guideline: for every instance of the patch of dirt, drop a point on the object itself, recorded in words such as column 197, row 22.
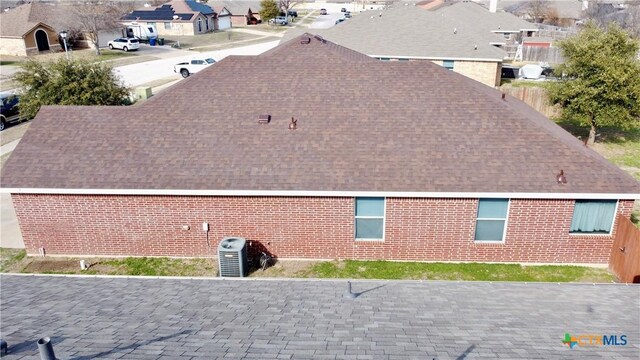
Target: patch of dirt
column 285, row 268
column 64, row 265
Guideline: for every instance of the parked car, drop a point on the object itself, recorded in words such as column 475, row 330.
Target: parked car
column 9, row 111
column 343, row 10
column 292, row 13
column 280, row 20
column 124, row 44
column 191, row 67
column 347, row 15
column 323, row 12
column 340, row 20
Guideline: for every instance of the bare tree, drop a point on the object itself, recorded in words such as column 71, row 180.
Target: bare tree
column 93, row 16
column 632, row 20
column 537, row 10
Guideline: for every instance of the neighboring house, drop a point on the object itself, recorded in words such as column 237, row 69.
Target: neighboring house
column 179, row 17
column 387, row 160
column 473, row 16
column 240, row 11
column 22, row 35
column 411, row 33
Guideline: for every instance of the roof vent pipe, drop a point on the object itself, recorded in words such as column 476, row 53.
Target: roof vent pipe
column 293, row 124
column 561, row 178
column 455, row 30
column 504, row 97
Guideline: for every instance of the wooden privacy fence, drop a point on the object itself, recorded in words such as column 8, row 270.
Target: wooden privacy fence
column 551, row 55
column 625, row 254
column 536, row 97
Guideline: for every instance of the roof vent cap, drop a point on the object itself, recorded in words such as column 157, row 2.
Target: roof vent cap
column 264, row 119
column 305, row 40
column 561, row 178
column 293, row 124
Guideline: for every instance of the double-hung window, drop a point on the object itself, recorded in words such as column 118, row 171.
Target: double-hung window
column 370, row 218
column 492, row 219
column 593, row 216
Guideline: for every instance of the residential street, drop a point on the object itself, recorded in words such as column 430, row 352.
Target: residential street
column 120, row 318
column 143, row 73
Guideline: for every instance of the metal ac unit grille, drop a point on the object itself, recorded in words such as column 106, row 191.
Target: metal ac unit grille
column 229, row 264
column 232, row 257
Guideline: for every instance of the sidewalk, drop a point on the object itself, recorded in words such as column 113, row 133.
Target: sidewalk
column 7, row 148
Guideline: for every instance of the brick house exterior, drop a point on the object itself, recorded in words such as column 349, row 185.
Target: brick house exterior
column 419, row 150
column 418, row 229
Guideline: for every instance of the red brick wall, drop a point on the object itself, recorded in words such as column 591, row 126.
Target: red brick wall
column 295, row 227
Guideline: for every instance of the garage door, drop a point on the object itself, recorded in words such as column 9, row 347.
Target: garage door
column 224, row 22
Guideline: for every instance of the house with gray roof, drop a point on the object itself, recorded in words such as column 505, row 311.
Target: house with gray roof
column 479, row 19
column 242, row 11
column 350, row 158
column 24, row 33
column 412, row 33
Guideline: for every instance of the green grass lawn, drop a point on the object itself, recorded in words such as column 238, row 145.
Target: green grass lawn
column 10, row 257
column 352, row 269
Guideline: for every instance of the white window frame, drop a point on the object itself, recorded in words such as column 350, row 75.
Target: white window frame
column 383, row 217
column 504, row 231
column 613, row 222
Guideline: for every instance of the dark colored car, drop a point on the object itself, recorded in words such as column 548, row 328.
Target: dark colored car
column 323, row 11
column 343, row 10
column 347, row 15
column 9, row 112
column 292, row 13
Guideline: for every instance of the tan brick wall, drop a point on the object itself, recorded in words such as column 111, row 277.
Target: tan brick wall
column 419, row 229
column 485, row 72
column 13, row 47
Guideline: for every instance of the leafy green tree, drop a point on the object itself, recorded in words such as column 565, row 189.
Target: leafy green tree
column 601, row 79
column 269, row 10
column 68, row 83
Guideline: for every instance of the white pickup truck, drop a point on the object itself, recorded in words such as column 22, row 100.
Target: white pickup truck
column 191, row 67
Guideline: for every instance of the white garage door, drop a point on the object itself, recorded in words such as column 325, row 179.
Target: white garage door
column 224, row 22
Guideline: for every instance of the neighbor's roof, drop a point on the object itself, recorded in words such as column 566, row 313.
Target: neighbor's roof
column 18, row 21
column 566, row 9
column 481, row 19
column 240, row 7
column 410, row 32
column 185, row 10
column 362, row 125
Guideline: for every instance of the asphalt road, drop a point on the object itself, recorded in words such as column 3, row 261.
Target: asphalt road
column 134, row 318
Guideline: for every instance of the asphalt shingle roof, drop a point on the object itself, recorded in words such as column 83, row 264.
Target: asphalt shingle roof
column 411, row 32
column 17, row 22
column 482, row 20
column 363, row 125
column 236, row 7
column 185, row 10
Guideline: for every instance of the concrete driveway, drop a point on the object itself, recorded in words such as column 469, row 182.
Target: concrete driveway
column 10, row 235
column 127, row 318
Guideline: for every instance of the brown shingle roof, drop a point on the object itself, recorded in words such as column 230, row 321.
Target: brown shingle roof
column 15, row 22
column 363, row 125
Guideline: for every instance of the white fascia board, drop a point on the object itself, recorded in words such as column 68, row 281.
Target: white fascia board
column 436, row 58
column 310, row 193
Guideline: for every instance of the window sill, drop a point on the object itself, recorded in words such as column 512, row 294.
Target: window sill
column 589, row 235
column 489, row 242
column 370, row 240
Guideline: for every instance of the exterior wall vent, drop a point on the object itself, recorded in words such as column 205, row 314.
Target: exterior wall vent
column 264, row 119
column 232, row 257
